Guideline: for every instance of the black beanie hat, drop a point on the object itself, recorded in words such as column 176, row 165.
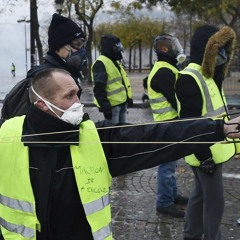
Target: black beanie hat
column 62, row 31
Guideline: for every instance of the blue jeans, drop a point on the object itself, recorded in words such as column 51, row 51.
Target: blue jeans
column 118, row 115
column 167, row 188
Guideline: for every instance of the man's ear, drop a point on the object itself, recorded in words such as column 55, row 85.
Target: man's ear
column 41, row 105
column 164, row 49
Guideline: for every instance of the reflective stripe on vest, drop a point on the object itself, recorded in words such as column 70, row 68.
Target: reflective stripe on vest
column 162, row 110
column 115, row 91
column 19, row 229
column 16, row 204
column 96, row 205
column 158, row 100
column 211, row 112
column 118, row 79
column 103, row 233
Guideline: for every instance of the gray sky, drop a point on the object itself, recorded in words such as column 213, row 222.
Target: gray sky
column 12, row 37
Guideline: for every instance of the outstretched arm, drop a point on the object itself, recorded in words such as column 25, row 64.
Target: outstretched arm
column 135, row 147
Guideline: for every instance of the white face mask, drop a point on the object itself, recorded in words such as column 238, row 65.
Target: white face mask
column 72, row 115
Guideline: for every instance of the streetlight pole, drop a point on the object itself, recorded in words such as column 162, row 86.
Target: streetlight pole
column 25, row 35
column 32, row 33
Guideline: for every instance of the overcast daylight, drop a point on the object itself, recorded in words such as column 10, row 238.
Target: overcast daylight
column 119, row 120
column 13, row 33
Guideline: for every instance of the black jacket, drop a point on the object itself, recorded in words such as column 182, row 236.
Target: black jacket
column 58, row 204
column 52, row 60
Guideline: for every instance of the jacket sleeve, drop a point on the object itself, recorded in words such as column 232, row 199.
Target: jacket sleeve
column 126, row 150
column 99, row 89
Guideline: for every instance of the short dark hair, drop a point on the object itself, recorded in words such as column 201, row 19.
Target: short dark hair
column 44, row 83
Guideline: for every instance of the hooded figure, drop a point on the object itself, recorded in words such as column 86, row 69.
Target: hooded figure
column 63, row 31
column 111, row 47
column 112, row 89
column 206, row 45
column 199, row 94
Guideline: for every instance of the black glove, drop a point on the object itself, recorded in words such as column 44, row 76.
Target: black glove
column 130, row 102
column 107, row 115
column 208, row 166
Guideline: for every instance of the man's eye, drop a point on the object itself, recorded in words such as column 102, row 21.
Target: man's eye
column 70, row 96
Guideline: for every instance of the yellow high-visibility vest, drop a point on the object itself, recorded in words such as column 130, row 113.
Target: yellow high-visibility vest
column 18, row 217
column 162, row 110
column 214, row 106
column 118, row 85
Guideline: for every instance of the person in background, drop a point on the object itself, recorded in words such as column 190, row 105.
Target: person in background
column 112, row 89
column 66, row 51
column 200, row 94
column 161, row 92
column 66, row 48
column 62, row 170
column 13, row 70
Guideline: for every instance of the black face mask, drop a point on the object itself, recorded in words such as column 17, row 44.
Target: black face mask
column 117, row 50
column 222, row 57
column 77, row 60
column 117, row 56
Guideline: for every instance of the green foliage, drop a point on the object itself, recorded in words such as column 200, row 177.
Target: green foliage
column 135, row 33
column 131, row 31
column 213, row 11
column 216, row 12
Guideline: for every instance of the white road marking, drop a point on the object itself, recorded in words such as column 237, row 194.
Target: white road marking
column 231, row 175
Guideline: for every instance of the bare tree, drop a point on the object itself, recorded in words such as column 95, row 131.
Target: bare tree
column 35, row 37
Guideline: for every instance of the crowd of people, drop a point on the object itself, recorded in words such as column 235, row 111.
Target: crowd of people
column 57, row 173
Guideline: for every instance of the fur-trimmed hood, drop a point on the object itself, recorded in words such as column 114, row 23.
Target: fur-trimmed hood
column 205, row 45
column 225, row 37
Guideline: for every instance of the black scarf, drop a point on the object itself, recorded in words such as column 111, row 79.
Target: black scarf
column 37, row 122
